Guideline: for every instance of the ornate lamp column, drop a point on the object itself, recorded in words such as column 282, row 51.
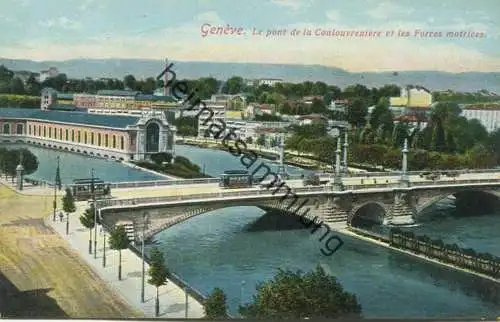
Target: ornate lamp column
column 281, row 168
column 337, row 179
column 20, row 173
column 405, row 180
column 345, row 152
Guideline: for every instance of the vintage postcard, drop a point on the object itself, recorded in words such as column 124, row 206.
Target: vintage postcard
column 271, row 159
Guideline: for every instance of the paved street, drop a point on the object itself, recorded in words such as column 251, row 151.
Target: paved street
column 172, row 298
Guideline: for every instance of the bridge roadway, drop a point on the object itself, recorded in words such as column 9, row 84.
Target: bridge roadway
column 349, row 182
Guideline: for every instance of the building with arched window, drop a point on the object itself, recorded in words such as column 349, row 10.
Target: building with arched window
column 110, row 136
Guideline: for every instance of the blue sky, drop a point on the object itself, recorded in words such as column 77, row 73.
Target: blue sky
column 66, row 29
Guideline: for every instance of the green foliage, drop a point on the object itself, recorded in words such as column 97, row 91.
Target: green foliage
column 156, row 256
column 118, row 238
column 215, row 305
column 466, row 98
column 186, row 126
column 87, row 218
column 9, row 160
column 261, row 140
column 7, row 100
column 297, row 295
column 157, row 272
column 161, row 157
column 181, row 167
column 68, row 202
column 357, row 112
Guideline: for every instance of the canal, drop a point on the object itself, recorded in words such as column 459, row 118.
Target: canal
column 219, row 249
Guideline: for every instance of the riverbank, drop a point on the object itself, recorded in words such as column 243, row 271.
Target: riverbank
column 291, row 158
column 41, row 276
column 352, row 232
column 166, row 176
column 172, row 297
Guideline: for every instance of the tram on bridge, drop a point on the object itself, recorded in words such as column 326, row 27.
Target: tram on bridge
column 82, row 188
column 232, row 179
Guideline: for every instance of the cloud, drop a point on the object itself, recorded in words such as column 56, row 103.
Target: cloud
column 61, row 22
column 332, row 15
column 208, row 17
column 294, row 5
column 86, row 5
column 386, row 10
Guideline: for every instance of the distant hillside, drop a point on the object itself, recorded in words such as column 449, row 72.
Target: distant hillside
column 435, row 81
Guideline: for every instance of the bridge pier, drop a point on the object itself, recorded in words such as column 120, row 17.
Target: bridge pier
column 402, row 212
column 336, row 209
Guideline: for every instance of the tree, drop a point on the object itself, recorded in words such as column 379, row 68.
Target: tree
column 158, row 274
column 68, row 202
column 161, row 157
column 298, row 295
column 12, row 158
column 378, row 113
column 438, row 142
column 118, row 240
column 130, row 82
column 68, row 206
column 215, row 305
column 87, row 220
column 356, row 112
column 234, row 85
column 318, row 106
column 17, row 86
column 261, row 140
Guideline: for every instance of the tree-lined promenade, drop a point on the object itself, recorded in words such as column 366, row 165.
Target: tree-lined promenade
column 50, row 278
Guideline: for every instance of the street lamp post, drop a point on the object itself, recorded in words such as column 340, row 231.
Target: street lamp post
column 346, row 144
column 144, row 216
column 103, row 246
column 57, row 180
column 337, row 181
column 404, row 173
column 67, row 223
column 186, row 294
column 95, row 214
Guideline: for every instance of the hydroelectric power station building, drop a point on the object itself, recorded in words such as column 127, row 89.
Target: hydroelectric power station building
column 116, row 137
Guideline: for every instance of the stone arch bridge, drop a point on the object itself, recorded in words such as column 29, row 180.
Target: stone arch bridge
column 387, row 204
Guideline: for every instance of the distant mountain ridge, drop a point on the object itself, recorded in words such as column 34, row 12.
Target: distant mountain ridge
column 97, row 68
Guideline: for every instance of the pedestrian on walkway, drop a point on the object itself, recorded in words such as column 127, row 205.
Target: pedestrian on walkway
column 61, row 216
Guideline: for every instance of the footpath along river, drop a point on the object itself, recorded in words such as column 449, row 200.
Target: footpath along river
column 218, row 249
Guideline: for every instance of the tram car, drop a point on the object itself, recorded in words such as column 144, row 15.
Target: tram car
column 233, row 179
column 82, row 189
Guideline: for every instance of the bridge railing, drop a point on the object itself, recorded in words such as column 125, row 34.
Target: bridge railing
column 158, row 183
column 279, row 193
column 454, row 182
column 222, row 194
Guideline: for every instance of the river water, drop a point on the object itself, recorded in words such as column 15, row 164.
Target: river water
column 218, row 249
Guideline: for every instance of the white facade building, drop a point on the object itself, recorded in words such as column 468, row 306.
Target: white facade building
column 205, row 119
column 489, row 117
column 269, row 81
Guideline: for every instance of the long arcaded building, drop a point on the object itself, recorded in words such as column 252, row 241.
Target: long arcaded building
column 108, row 136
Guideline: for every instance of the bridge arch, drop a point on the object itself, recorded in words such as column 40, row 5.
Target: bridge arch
column 163, row 217
column 475, row 201
column 372, row 211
